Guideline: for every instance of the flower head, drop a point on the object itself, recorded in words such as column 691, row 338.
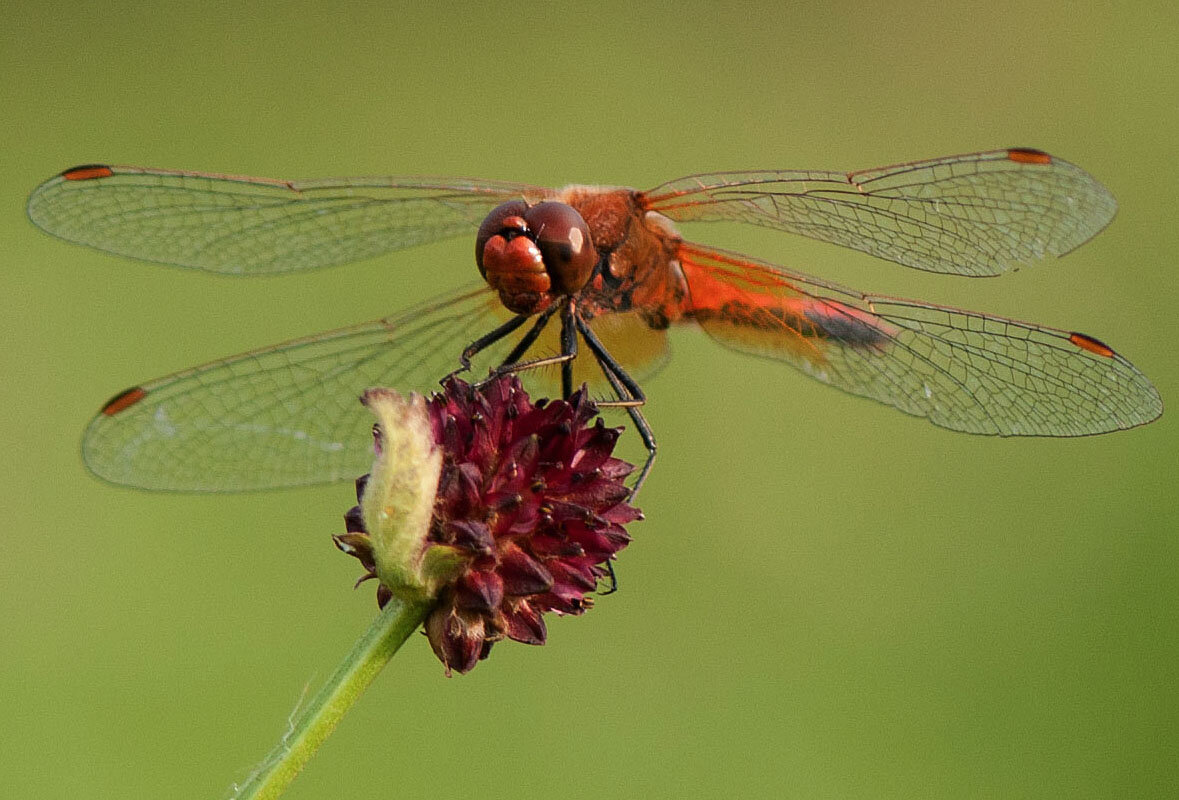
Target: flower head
column 529, row 506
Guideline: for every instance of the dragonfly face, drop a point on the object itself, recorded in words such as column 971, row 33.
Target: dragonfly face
column 532, row 255
column 609, row 270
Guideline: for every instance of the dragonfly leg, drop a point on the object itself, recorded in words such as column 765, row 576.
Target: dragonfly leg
column 527, row 339
column 613, row 579
column 644, row 430
column 631, row 404
column 512, row 362
column 485, row 341
column 569, row 348
column 630, row 396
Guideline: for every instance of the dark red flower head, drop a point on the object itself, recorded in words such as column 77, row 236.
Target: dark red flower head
column 530, row 506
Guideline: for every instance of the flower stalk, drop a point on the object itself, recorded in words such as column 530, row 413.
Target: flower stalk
column 315, row 721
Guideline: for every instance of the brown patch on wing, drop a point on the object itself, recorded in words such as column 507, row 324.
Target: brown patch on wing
column 1094, row 346
column 1027, row 155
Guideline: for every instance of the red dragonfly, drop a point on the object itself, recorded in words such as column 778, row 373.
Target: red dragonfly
column 608, row 268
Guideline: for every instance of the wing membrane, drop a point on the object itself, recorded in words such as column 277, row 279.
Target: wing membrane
column 253, row 226
column 961, row 370
column 976, row 214
column 286, row 415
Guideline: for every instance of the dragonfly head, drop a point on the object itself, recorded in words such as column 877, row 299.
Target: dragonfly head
column 530, row 254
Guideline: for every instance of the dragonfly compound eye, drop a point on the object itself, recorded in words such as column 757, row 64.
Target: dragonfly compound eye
column 510, row 260
column 564, row 240
column 506, row 219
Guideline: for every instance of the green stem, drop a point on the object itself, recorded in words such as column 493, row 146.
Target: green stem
column 315, row 721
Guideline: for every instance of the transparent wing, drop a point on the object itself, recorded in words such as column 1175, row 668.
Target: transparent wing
column 976, row 214
column 286, row 415
column 289, row 414
column 253, row 226
column 961, row 370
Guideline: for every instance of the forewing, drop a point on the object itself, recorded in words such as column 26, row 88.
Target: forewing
column 975, row 214
column 254, row 226
column 962, row 370
column 286, row 415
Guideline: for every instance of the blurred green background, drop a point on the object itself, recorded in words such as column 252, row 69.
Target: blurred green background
column 828, row 599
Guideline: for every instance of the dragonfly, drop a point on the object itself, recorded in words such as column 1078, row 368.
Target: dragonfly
column 604, row 268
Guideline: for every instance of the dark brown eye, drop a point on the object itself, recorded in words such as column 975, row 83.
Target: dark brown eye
column 564, row 240
column 495, row 222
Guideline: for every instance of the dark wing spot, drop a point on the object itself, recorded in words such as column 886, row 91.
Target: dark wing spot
column 87, row 172
column 833, row 323
column 1092, row 345
column 1027, row 155
column 123, row 400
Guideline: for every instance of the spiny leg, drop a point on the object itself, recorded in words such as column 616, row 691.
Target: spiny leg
column 630, row 396
column 529, row 338
column 641, row 425
column 619, row 392
column 627, row 401
column 485, row 341
column 512, row 362
column 569, row 348
column 634, row 394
